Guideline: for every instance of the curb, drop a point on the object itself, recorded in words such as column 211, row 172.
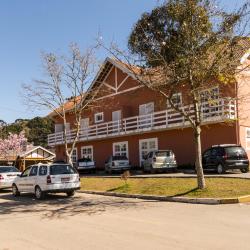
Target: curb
column 207, row 201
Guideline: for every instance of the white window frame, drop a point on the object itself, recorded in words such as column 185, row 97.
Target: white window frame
column 96, row 115
column 87, row 147
column 209, row 90
column 146, row 140
column 58, row 127
column 146, row 106
column 76, row 156
column 247, row 139
column 119, row 143
column 173, row 96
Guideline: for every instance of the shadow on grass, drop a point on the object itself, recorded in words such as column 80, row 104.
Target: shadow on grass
column 187, row 192
column 122, row 188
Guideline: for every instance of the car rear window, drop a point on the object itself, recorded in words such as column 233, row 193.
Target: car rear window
column 8, row 169
column 119, row 158
column 84, row 160
column 163, row 153
column 61, row 169
column 233, row 151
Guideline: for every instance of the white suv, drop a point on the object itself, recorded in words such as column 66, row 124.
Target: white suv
column 47, row 178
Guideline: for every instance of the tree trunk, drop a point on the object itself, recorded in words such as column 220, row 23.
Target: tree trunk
column 198, row 162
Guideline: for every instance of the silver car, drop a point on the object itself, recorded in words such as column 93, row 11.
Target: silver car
column 159, row 160
column 86, row 165
column 117, row 163
column 7, row 176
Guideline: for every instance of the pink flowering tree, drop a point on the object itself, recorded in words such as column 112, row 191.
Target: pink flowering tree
column 12, row 145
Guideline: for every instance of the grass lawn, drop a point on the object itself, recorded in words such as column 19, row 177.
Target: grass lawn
column 216, row 187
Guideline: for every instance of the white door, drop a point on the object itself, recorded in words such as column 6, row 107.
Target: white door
column 84, row 126
column 58, row 128
column 31, row 179
column 116, row 117
column 146, row 146
column 22, row 181
column 145, row 111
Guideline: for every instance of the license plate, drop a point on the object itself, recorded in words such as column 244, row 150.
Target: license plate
column 238, row 163
column 66, row 179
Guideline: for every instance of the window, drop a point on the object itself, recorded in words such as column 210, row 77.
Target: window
column 87, row 152
column 99, row 117
column 26, row 172
column 74, row 156
column 177, row 99
column 33, row 171
column 43, row 170
column 207, row 153
column 209, row 94
column 209, row 102
column 146, row 146
column 59, row 127
column 146, row 109
column 120, row 149
column 61, row 169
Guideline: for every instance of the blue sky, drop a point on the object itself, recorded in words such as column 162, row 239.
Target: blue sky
column 29, row 27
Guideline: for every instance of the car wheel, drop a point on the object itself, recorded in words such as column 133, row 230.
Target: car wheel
column 15, row 191
column 220, row 169
column 70, row 193
column 39, row 193
column 244, row 170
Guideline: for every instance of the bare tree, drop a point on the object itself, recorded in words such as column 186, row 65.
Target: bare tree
column 187, row 45
column 65, row 89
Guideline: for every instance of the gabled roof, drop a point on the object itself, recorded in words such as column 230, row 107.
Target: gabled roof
column 240, row 54
column 36, row 148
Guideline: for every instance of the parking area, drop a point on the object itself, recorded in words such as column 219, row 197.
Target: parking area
column 97, row 222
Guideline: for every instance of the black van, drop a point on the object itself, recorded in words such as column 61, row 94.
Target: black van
column 225, row 156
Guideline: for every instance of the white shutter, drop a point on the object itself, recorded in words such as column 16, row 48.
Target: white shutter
column 67, row 126
column 142, row 109
column 149, row 108
column 116, row 115
column 58, row 128
column 84, row 123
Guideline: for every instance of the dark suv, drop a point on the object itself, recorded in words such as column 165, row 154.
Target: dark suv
column 224, row 157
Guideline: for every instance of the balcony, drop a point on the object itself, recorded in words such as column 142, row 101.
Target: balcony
column 218, row 111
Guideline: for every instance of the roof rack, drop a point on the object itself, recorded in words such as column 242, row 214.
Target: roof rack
column 224, row 145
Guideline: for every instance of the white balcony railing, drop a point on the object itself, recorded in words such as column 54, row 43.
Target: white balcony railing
column 218, row 111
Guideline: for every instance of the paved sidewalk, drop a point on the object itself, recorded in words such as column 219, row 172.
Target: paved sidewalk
column 96, row 222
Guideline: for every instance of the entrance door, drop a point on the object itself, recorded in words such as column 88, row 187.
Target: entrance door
column 116, row 118
column 146, row 146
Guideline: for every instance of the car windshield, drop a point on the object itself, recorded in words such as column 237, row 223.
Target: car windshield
column 233, row 151
column 61, row 169
column 120, row 158
column 8, row 169
column 163, row 153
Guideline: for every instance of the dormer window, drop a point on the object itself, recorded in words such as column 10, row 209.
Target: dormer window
column 99, row 117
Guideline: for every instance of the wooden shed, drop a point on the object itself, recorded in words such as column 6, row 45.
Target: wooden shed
column 31, row 156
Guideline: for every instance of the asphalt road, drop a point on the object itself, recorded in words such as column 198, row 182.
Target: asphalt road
column 97, row 222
